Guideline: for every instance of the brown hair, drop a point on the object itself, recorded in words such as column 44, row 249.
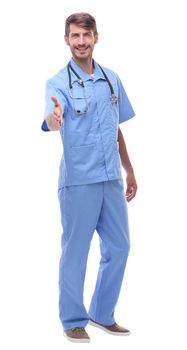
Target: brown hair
column 81, row 19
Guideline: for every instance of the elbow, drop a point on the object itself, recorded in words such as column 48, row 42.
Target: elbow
column 119, row 134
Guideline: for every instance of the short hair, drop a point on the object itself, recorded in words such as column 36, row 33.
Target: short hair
column 81, row 19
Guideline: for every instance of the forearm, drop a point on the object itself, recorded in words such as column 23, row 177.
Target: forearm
column 125, row 160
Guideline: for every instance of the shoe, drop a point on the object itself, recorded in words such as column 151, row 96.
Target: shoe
column 114, row 329
column 77, row 335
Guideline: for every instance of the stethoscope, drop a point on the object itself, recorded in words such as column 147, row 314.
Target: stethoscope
column 114, row 98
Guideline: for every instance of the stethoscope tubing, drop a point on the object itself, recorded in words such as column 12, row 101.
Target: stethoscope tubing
column 69, row 67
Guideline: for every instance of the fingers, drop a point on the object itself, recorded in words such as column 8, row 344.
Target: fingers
column 57, row 117
column 54, row 122
column 131, row 193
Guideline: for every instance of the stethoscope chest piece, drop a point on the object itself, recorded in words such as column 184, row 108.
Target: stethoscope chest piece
column 114, row 99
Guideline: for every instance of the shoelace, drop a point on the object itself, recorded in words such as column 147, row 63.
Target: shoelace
column 78, row 329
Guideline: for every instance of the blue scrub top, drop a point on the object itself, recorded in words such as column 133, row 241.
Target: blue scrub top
column 90, row 124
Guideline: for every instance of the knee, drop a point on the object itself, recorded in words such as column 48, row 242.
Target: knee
column 122, row 248
column 125, row 248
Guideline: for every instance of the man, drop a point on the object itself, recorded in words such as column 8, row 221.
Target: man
column 86, row 103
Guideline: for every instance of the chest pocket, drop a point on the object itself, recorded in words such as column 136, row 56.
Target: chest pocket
column 112, row 107
column 80, row 100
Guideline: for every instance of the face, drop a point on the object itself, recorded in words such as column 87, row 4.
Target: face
column 81, row 42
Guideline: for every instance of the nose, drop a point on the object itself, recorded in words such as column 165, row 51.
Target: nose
column 81, row 40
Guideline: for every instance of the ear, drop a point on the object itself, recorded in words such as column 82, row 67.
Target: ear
column 96, row 38
column 66, row 39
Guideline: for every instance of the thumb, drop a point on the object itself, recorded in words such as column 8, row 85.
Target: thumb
column 55, row 101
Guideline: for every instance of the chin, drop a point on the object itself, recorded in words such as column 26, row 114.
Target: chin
column 82, row 57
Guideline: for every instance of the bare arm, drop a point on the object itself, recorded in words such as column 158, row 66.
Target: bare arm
column 126, row 163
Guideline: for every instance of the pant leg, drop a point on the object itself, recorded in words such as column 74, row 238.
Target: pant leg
column 114, row 244
column 80, row 210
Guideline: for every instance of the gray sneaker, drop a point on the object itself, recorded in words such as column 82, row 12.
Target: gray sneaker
column 114, row 329
column 77, row 335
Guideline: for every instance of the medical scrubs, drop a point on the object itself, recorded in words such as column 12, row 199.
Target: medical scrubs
column 90, row 190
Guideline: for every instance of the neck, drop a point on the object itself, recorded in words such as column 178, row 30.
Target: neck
column 85, row 65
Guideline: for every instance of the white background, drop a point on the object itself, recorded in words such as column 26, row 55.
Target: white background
column 145, row 43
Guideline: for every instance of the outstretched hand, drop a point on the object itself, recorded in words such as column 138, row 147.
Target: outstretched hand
column 54, row 120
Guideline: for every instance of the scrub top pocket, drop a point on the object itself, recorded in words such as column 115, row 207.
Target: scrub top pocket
column 86, row 160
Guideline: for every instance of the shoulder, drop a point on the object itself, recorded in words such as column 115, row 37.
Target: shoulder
column 112, row 76
column 109, row 71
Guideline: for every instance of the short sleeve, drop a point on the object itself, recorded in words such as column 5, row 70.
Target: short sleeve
column 125, row 108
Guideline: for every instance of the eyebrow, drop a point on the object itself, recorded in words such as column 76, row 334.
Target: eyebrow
column 88, row 31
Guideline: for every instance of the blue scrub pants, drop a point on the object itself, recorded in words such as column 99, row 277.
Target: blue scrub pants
column 84, row 209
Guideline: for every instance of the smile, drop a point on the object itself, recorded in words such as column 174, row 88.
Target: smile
column 81, row 48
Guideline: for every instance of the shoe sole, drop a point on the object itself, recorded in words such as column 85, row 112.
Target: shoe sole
column 107, row 330
column 75, row 340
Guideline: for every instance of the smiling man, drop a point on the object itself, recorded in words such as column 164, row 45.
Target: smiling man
column 81, row 43
column 86, row 103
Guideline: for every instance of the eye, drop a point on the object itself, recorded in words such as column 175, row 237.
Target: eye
column 74, row 35
column 88, row 34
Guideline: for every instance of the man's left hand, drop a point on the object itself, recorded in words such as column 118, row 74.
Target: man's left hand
column 131, row 186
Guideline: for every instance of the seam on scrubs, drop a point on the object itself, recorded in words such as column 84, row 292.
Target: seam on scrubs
column 97, row 308
column 64, row 195
column 99, row 295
